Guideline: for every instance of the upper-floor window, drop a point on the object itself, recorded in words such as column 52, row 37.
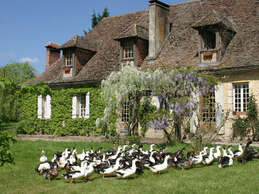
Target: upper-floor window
column 209, row 52
column 241, row 97
column 81, row 106
column 208, row 40
column 68, row 55
column 44, row 107
column 127, row 50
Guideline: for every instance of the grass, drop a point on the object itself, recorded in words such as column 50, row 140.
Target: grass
column 21, row 177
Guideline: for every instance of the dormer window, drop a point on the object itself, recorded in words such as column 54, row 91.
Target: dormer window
column 210, row 44
column 127, row 50
column 68, row 56
column 216, row 32
column 208, row 40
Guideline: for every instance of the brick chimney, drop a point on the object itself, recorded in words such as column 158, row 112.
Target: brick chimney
column 158, row 26
column 52, row 54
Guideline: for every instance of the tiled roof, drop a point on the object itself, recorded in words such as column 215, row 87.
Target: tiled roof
column 181, row 47
column 79, row 42
column 137, row 29
column 214, row 18
column 106, row 58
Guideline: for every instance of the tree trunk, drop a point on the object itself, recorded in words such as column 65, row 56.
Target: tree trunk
column 177, row 128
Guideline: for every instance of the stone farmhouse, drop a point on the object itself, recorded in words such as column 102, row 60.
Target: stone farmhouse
column 219, row 36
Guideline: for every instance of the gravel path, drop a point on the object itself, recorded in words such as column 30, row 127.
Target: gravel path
column 101, row 139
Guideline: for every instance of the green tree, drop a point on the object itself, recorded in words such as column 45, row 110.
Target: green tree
column 6, row 139
column 18, row 72
column 243, row 126
column 11, row 76
column 97, row 18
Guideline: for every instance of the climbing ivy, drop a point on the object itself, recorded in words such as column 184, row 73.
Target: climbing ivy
column 61, row 122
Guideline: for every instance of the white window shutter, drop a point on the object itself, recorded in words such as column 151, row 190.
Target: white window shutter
column 74, row 107
column 219, row 103
column 48, row 107
column 155, row 101
column 230, row 98
column 40, row 107
column 194, row 119
column 87, row 105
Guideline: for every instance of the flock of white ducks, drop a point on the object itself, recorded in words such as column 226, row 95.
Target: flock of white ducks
column 128, row 160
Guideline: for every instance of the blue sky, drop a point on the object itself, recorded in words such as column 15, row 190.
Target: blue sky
column 27, row 25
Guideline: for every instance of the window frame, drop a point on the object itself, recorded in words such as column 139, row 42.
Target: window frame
column 68, row 57
column 81, row 106
column 208, row 108
column 81, row 109
column 241, row 97
column 127, row 50
column 125, row 113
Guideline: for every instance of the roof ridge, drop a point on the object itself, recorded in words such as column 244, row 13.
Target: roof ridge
column 110, row 17
column 184, row 2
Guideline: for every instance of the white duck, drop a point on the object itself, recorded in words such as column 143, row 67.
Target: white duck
column 208, row 160
column 89, row 169
column 217, row 154
column 151, row 158
column 239, row 152
column 72, row 158
column 62, row 160
column 224, row 152
column 112, row 168
column 81, row 156
column 75, row 174
column 160, row 167
column 197, row 159
column 43, row 157
column 43, row 166
column 151, row 148
column 113, row 157
column 124, row 173
column 77, row 168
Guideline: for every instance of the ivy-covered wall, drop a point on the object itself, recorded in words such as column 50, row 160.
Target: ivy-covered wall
column 61, row 122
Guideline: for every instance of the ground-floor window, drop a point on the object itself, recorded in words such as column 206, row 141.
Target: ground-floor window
column 241, row 97
column 81, row 106
column 208, row 108
column 125, row 112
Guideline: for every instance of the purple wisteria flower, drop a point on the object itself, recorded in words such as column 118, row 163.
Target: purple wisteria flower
column 160, row 123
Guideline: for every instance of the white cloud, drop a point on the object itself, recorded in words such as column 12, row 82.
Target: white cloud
column 29, row 60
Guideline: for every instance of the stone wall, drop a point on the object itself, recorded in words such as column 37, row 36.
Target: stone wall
column 252, row 78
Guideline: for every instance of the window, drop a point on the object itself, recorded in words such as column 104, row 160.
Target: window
column 208, row 108
column 125, row 112
column 81, row 106
column 241, row 97
column 170, row 27
column 209, row 49
column 209, row 40
column 44, row 107
column 68, row 54
column 127, row 50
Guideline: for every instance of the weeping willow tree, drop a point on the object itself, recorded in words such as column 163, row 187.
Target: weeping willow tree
column 174, row 88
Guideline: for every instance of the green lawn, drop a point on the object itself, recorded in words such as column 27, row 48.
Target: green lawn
column 21, row 178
